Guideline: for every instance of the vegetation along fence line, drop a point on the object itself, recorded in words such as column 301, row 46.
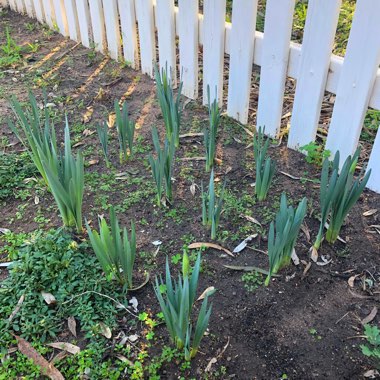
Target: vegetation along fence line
column 113, row 26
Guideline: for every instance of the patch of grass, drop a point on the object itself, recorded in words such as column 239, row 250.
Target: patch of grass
column 252, row 280
column 15, row 169
column 10, row 52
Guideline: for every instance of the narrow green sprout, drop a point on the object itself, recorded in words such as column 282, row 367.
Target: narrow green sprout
column 177, row 303
column 211, row 132
column 35, row 131
column 283, row 233
column 265, row 167
column 339, row 192
column 103, row 138
column 162, row 167
column 125, row 130
column 115, row 250
column 211, row 206
column 170, row 106
column 65, row 176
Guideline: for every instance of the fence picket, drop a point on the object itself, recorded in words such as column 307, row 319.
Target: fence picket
column 72, row 20
column 188, row 46
column 60, row 15
column 3, row 3
column 39, row 10
column 129, row 31
column 274, row 64
column 84, row 22
column 166, row 37
column 214, row 12
column 29, row 8
column 321, row 23
column 98, row 28
column 242, row 41
column 49, row 13
column 20, row 6
column 374, row 164
column 145, row 20
column 356, row 80
column 111, row 19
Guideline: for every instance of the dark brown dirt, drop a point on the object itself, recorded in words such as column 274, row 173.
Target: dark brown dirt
column 270, row 331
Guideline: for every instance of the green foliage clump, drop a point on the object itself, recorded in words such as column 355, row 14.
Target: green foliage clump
column 283, row 234
column 265, row 167
column 54, row 263
column 115, row 250
column 14, row 170
column 339, row 191
column 372, row 348
column 170, row 106
column 315, row 153
column 162, row 167
column 177, row 301
column 211, row 133
column 211, row 206
column 125, row 130
column 10, row 52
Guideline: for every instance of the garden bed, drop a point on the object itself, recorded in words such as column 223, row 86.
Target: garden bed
column 306, row 324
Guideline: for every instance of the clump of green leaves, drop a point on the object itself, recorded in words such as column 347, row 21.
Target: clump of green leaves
column 115, row 250
column 162, row 167
column 103, row 138
column 176, row 300
column 372, row 348
column 252, row 280
column 10, row 52
column 265, row 167
column 283, row 233
column 211, row 133
column 15, row 169
column 315, row 153
column 126, row 131
column 339, row 191
column 65, row 176
column 35, row 131
column 170, row 106
column 211, row 206
column 53, row 263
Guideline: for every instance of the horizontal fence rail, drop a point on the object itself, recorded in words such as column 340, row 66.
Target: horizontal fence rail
column 126, row 29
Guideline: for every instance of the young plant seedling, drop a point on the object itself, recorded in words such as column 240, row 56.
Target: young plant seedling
column 171, row 108
column 115, row 250
column 265, row 167
column 211, row 206
column 339, row 191
column 125, row 130
column 176, row 300
column 162, row 167
column 211, row 132
column 103, row 138
column 283, row 233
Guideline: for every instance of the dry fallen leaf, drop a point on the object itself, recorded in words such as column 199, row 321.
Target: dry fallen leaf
column 192, row 189
column 72, row 325
column 105, row 330
column 351, row 280
column 111, row 120
column 88, row 132
column 48, row 298
column 289, row 175
column 68, row 347
column 36, row 200
column 244, row 243
column 88, row 114
column 93, row 162
column 370, row 212
column 47, row 368
column 210, row 245
column 124, row 359
column 313, row 254
column 17, row 308
column 307, row 267
column 294, row 257
column 306, row 231
column 208, row 291
column 251, row 219
column 370, row 317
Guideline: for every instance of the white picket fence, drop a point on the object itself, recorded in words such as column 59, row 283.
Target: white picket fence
column 113, row 26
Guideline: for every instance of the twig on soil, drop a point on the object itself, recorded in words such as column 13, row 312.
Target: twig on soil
column 344, row 316
column 193, row 159
column 102, row 295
